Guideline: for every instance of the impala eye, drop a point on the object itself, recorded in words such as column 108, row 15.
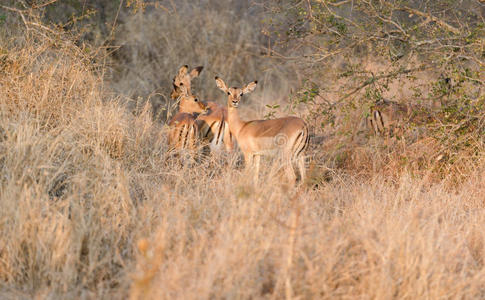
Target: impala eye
column 196, row 100
column 181, row 83
column 228, row 93
column 241, row 94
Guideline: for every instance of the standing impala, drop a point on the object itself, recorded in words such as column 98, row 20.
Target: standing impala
column 184, row 131
column 212, row 125
column 287, row 136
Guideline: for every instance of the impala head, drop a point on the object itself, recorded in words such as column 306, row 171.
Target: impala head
column 234, row 94
column 182, row 80
column 192, row 104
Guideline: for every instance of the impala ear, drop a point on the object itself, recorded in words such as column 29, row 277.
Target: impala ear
column 250, row 87
column 195, row 72
column 221, row 85
column 183, row 70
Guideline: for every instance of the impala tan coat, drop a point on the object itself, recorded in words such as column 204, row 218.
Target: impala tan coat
column 287, row 136
column 386, row 117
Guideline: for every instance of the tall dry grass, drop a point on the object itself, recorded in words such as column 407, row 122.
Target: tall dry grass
column 93, row 207
column 351, row 239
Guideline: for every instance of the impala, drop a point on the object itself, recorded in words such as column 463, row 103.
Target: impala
column 184, row 130
column 212, row 125
column 386, row 117
column 286, row 136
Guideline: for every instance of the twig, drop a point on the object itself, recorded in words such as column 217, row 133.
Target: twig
column 20, row 12
column 111, row 38
column 115, row 20
column 42, row 26
column 432, row 18
column 27, row 23
column 44, row 4
column 376, row 78
column 338, row 3
column 310, row 14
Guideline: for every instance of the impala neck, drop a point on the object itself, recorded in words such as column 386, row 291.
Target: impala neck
column 235, row 123
column 183, row 108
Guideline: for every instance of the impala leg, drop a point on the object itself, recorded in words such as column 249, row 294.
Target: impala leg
column 228, row 140
column 248, row 162
column 302, row 169
column 290, row 172
column 257, row 160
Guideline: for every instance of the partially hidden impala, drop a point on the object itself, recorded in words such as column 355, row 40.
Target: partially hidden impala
column 212, row 125
column 388, row 118
column 184, row 131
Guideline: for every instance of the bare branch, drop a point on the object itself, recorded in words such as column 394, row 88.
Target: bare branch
column 373, row 79
column 338, row 3
column 20, row 12
column 432, row 18
column 44, row 4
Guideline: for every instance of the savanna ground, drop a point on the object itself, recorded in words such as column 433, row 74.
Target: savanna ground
column 93, row 206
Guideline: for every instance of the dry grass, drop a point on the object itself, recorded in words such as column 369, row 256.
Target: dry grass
column 93, row 207
column 369, row 240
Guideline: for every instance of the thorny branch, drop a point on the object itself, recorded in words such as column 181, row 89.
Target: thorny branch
column 24, row 19
column 429, row 17
column 374, row 79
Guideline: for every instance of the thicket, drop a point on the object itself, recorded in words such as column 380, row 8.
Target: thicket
column 428, row 55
